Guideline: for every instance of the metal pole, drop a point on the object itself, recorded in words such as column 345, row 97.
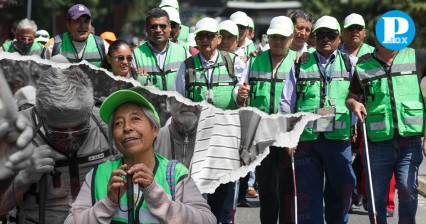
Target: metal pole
column 29, row 9
column 294, row 185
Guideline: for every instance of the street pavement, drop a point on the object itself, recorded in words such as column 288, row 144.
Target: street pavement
column 358, row 216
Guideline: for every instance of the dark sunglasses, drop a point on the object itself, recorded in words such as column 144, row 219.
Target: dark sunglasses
column 209, row 36
column 277, row 37
column 174, row 25
column 329, row 35
column 121, row 58
column 155, row 27
column 42, row 35
column 354, row 27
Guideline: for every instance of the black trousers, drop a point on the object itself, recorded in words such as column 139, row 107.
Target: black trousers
column 275, row 182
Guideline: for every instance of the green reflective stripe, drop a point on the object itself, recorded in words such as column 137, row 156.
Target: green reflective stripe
column 406, row 69
column 374, row 126
column 222, row 83
column 413, row 120
column 261, row 75
column 309, row 88
column 145, row 59
column 36, row 48
column 340, row 125
column 90, row 54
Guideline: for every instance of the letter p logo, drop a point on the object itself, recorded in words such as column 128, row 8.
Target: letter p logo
column 395, row 30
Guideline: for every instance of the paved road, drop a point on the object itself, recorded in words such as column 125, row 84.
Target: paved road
column 358, row 216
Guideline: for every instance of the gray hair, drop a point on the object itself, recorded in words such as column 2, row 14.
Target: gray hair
column 149, row 114
column 66, row 91
column 300, row 14
column 26, row 24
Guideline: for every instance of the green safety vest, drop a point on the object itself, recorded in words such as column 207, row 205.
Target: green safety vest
column 393, row 98
column 184, row 32
column 310, row 88
column 222, row 80
column 264, row 86
column 364, row 49
column 250, row 48
column 162, row 78
column 91, row 52
column 101, row 176
column 35, row 49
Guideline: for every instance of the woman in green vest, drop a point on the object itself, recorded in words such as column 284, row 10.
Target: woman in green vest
column 162, row 190
column 119, row 59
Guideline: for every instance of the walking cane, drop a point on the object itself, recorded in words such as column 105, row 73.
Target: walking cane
column 42, row 198
column 294, row 184
column 368, row 168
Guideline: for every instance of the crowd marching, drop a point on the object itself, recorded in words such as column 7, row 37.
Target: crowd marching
column 78, row 161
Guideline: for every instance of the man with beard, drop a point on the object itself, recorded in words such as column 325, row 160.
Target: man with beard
column 78, row 43
column 354, row 35
column 24, row 42
column 324, row 152
column 159, row 58
column 69, row 141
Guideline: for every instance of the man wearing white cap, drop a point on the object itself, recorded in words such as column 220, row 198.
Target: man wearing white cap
column 266, row 77
column 354, row 35
column 244, row 46
column 250, row 34
column 320, row 86
column 159, row 58
column 78, row 43
column 229, row 32
column 211, row 74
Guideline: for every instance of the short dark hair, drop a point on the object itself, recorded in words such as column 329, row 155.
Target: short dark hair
column 156, row 13
column 294, row 15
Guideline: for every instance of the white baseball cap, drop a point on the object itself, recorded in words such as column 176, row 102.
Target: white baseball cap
column 173, row 14
column 250, row 22
column 281, row 25
column 327, row 22
column 354, row 19
column 171, row 3
column 239, row 18
column 229, row 26
column 191, row 40
column 206, row 24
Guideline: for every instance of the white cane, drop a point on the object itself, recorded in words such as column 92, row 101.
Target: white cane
column 294, row 184
column 369, row 170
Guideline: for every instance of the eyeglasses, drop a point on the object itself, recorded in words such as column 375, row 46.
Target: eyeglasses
column 121, row 58
column 355, row 27
column 59, row 135
column 329, row 35
column 209, row 36
column 277, row 37
column 42, row 35
column 155, row 26
column 174, row 25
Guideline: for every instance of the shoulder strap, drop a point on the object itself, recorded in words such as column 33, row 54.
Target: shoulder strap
column 297, row 70
column 229, row 63
column 57, row 44
column 347, row 62
column 170, row 175
column 101, row 46
column 190, row 71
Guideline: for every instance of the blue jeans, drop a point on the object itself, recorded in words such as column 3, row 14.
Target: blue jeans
column 313, row 159
column 402, row 156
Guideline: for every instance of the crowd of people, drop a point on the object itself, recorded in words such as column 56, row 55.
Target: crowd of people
column 82, row 164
